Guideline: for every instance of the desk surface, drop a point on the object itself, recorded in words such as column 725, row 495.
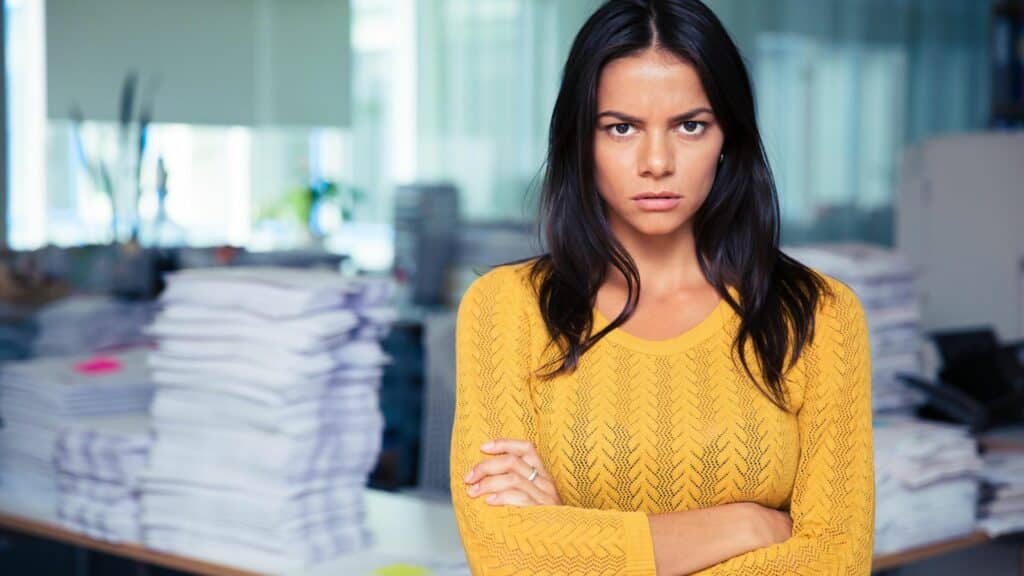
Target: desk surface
column 408, row 529
column 1008, row 438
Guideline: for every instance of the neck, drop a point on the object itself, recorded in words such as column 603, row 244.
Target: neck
column 667, row 264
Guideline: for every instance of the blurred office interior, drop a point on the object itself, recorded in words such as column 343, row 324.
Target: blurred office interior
column 164, row 160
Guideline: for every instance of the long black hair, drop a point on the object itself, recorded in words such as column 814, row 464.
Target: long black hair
column 736, row 228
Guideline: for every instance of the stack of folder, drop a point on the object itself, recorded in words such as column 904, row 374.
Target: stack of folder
column 100, row 463
column 886, row 286
column 926, row 482
column 41, row 397
column 267, row 415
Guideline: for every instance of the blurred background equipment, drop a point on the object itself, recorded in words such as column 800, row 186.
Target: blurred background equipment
column 426, row 232
column 989, row 374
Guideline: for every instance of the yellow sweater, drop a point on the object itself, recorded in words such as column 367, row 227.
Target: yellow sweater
column 644, row 427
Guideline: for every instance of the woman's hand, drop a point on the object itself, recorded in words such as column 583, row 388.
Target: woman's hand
column 768, row 525
column 503, row 479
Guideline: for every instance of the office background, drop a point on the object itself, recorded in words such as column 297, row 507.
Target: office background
column 401, row 141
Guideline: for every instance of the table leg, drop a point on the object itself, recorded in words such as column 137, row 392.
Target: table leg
column 1020, row 560
column 81, row 561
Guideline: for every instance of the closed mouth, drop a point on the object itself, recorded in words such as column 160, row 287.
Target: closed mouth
column 658, row 196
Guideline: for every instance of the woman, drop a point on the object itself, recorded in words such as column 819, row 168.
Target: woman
column 721, row 421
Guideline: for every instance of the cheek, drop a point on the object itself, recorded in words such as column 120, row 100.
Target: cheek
column 701, row 170
column 613, row 170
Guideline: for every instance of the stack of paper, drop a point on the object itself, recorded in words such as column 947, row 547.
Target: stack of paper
column 88, row 324
column 99, row 466
column 926, row 481
column 885, row 285
column 39, row 397
column 1002, row 506
column 267, row 415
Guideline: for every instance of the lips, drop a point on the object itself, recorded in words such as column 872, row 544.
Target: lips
column 656, row 201
column 656, row 195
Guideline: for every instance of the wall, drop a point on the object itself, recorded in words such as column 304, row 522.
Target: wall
column 235, row 62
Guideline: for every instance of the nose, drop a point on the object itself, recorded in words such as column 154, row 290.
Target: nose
column 657, row 158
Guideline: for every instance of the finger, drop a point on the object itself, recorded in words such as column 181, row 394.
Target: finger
column 541, row 488
column 510, row 498
column 491, row 466
column 500, row 465
column 512, row 445
column 547, row 487
column 511, row 481
column 522, row 448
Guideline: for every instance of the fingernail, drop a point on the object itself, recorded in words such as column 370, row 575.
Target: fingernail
column 487, row 446
column 468, row 476
column 473, row 488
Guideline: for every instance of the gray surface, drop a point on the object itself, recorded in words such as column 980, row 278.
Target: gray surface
column 439, row 403
column 961, row 225
column 278, row 62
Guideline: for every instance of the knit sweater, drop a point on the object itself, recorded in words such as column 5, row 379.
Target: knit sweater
column 644, row 427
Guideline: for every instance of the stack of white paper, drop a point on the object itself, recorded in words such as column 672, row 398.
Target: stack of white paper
column 99, row 463
column 39, row 397
column 85, row 324
column 926, row 482
column 885, row 285
column 1002, row 507
column 267, row 416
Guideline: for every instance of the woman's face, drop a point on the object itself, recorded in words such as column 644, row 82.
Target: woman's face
column 657, row 144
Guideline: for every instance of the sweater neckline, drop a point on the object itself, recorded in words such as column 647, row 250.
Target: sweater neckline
column 711, row 323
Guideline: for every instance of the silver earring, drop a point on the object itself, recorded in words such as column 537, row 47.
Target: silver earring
column 721, row 158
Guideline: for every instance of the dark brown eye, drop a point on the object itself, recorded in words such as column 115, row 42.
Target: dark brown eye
column 621, row 129
column 692, row 127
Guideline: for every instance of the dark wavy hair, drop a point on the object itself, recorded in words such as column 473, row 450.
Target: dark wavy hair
column 736, row 229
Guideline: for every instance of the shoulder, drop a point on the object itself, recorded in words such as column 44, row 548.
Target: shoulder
column 839, row 301
column 840, row 317
column 508, row 287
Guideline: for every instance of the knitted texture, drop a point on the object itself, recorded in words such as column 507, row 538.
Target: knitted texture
column 644, row 427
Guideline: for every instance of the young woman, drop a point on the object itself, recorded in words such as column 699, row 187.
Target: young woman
column 720, row 421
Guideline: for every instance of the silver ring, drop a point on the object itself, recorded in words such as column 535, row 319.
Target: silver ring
column 533, row 474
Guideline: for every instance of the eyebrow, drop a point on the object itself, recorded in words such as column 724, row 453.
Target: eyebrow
column 675, row 119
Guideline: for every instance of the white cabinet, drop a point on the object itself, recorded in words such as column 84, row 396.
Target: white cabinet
column 960, row 222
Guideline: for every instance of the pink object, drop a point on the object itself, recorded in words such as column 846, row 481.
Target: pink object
column 99, row 365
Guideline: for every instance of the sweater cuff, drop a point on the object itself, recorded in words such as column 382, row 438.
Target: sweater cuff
column 639, row 545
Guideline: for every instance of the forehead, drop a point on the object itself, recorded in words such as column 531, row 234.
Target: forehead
column 650, row 80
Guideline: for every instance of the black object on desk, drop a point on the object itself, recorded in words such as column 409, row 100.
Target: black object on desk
column 981, row 382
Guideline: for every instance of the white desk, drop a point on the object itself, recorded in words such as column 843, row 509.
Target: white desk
column 407, row 529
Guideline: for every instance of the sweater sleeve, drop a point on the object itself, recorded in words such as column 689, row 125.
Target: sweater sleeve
column 832, row 505
column 493, row 400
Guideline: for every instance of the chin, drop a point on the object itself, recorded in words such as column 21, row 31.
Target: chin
column 659, row 226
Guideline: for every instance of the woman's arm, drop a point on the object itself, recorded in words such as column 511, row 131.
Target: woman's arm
column 493, row 401
column 834, row 494
column 688, row 541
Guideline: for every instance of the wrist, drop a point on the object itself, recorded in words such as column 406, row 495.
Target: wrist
column 748, row 522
